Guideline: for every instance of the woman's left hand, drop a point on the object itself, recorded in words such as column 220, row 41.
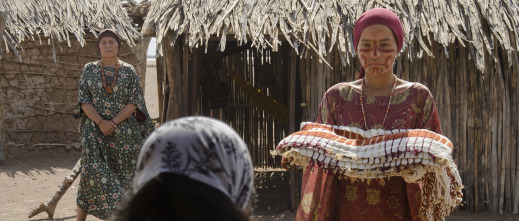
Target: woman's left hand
column 112, row 122
column 106, row 127
column 285, row 162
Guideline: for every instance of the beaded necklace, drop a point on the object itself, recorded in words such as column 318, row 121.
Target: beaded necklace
column 109, row 89
column 388, row 105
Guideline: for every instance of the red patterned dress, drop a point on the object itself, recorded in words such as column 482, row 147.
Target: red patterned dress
column 326, row 197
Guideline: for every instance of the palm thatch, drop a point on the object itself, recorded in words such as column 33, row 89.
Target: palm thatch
column 57, row 20
column 325, row 24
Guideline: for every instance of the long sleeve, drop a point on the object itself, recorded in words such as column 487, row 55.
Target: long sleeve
column 84, row 95
column 136, row 96
column 427, row 119
column 324, row 113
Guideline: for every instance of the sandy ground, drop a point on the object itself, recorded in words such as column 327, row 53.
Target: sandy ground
column 28, row 179
column 32, row 178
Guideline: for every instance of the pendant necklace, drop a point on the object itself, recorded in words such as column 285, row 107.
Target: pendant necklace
column 109, row 89
column 388, row 105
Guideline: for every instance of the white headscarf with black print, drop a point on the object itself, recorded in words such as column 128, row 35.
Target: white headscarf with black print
column 203, row 149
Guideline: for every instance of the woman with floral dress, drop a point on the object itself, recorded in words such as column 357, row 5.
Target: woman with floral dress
column 114, row 123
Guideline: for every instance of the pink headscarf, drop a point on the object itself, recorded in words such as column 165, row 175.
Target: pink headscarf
column 378, row 16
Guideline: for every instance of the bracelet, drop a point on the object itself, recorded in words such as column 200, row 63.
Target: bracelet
column 100, row 121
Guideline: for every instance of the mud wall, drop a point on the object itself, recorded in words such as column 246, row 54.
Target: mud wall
column 40, row 94
column 2, row 114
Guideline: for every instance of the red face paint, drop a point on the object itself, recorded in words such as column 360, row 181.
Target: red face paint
column 389, row 61
column 375, row 47
column 375, row 70
column 374, row 59
column 364, row 59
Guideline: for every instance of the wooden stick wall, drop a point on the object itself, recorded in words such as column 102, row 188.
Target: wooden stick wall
column 477, row 109
column 267, row 72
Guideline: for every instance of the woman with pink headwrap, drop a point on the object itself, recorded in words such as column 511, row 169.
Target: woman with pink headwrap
column 377, row 100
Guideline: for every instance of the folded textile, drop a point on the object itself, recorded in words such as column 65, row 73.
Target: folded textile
column 355, row 153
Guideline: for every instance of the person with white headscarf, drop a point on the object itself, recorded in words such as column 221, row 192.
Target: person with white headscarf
column 192, row 168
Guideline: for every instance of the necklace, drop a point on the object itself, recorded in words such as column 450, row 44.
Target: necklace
column 388, row 105
column 109, row 89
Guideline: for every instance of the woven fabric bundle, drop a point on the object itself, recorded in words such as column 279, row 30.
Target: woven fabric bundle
column 417, row 155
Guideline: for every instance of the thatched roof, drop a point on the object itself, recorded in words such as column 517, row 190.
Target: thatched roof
column 325, row 24
column 61, row 20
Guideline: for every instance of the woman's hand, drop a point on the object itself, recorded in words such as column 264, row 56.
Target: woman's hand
column 112, row 122
column 106, row 127
column 285, row 162
column 123, row 114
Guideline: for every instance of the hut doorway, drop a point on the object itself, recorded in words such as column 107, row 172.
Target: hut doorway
column 246, row 87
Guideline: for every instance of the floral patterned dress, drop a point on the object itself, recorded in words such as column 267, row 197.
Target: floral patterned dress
column 108, row 162
column 326, row 197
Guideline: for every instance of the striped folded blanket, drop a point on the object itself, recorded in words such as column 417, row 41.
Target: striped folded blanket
column 355, row 153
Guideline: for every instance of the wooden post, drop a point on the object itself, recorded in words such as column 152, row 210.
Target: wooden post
column 174, row 77
column 194, row 104
column 292, row 122
column 185, row 76
column 516, row 166
column 159, row 63
column 515, row 209
column 499, row 85
column 3, row 152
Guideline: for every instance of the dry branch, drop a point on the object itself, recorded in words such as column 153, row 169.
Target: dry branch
column 50, row 206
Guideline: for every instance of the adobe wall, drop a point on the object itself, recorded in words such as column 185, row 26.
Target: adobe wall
column 41, row 94
column 2, row 115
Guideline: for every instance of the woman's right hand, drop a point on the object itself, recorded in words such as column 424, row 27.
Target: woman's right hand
column 106, row 127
